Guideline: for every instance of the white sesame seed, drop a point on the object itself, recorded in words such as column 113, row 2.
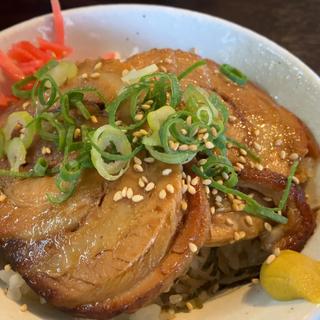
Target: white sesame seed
column 294, row 156
column 175, row 298
column 278, row 142
column 201, row 162
column 193, row 248
column 242, row 234
column 183, row 147
column 77, row 133
column 242, row 159
column 213, row 131
column 213, row 210
column 205, row 136
column 7, row 268
column 135, row 140
column 270, row 259
column 240, row 165
column 95, row 75
column 3, row 197
column 248, row 220
column 214, row 191
column 206, row 182
column 295, row 180
column 184, row 131
column 243, row 152
column 189, row 120
column 229, row 222
column 94, row 119
column 98, row 66
column 236, row 236
column 137, row 167
column 84, row 76
column 170, row 188
column 42, row 300
column 195, row 181
column 150, row 186
column 189, row 305
column 184, row 187
column 207, row 190
column 209, row 145
column 25, row 105
column 173, row 145
column 267, row 199
column 45, row 150
column 145, row 179
column 129, row 193
column 184, row 205
column 145, row 106
column 203, row 130
column 137, row 160
column 257, row 132
column 191, row 189
column 137, row 198
column 232, row 119
column 193, row 147
column 276, row 252
column 225, row 176
column 117, row 196
column 141, row 183
column 257, row 146
column 162, row 194
column 23, row 308
column 283, row 154
column 218, row 198
column 220, row 181
column 268, row 226
column 259, row 166
column 149, row 160
column 124, row 192
column 138, row 116
column 166, row 172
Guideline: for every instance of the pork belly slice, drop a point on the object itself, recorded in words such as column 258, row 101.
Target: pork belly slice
column 97, row 257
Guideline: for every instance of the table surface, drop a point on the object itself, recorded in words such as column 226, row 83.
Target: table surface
column 294, row 24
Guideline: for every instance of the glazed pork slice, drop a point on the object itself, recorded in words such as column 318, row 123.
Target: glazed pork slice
column 96, row 256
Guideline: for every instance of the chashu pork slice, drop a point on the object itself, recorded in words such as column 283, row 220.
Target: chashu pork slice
column 95, row 256
column 276, row 135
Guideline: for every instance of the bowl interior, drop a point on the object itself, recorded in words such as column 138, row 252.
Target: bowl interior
column 131, row 28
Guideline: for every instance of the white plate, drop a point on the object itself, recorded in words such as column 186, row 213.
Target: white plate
column 95, row 30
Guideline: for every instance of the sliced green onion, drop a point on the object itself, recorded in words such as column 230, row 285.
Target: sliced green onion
column 24, row 119
column 155, row 120
column 16, row 153
column 190, row 69
column 233, row 74
column 252, row 207
column 66, row 181
column 240, row 145
column 103, row 137
column 173, row 158
column 17, row 88
column 46, row 68
column 45, row 122
column 134, row 75
column 63, row 71
column 2, row 143
column 285, row 194
column 40, row 168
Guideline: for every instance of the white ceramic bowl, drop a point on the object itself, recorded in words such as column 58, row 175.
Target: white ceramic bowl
column 125, row 28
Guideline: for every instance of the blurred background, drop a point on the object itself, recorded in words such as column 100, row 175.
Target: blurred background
column 294, row 24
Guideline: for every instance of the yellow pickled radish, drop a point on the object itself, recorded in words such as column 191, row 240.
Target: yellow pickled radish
column 290, row 276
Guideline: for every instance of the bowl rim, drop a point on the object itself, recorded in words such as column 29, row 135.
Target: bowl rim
column 176, row 10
